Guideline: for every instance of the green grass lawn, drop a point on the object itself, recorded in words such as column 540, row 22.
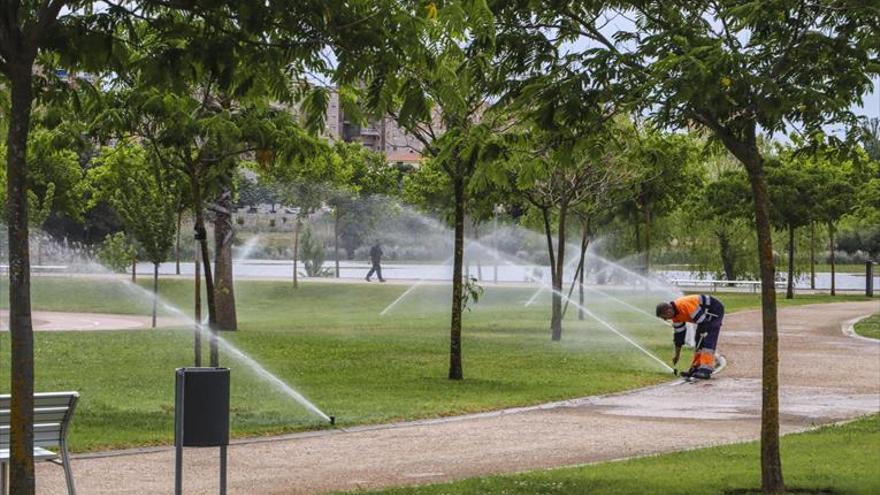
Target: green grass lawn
column 869, row 327
column 328, row 341
column 842, row 459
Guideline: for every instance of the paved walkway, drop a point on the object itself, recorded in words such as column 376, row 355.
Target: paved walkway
column 820, row 384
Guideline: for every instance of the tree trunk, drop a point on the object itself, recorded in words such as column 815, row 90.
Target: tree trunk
column 647, row 209
column 638, row 235
column 336, row 240
column 224, row 285
column 728, row 261
column 581, row 315
column 202, row 238
column 296, row 251
column 771, row 463
column 833, row 268
column 551, row 252
column 789, row 289
column 479, row 253
column 813, row 255
column 495, row 248
column 155, row 290
column 568, row 299
column 558, row 275
column 134, row 277
column 585, row 241
column 177, row 243
column 197, row 310
column 21, row 441
column 455, row 367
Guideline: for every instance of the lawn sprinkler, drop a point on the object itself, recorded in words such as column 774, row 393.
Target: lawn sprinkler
column 332, row 420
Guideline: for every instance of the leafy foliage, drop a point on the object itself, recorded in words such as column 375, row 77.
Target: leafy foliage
column 253, row 191
column 142, row 193
column 56, row 179
column 313, row 254
column 871, row 138
column 116, row 252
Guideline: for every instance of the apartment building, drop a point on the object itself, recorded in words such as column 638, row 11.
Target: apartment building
column 380, row 135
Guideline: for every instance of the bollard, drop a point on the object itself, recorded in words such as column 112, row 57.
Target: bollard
column 869, row 278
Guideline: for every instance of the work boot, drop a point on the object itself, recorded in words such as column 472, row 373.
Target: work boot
column 368, row 279
column 702, row 373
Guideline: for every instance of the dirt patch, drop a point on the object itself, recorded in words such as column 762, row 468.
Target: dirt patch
column 58, row 321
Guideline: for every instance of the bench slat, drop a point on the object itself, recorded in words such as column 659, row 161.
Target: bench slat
column 37, row 404
column 45, row 435
column 41, row 415
column 50, row 399
column 39, row 453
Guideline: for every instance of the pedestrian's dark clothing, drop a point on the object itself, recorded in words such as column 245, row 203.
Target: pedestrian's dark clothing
column 377, row 269
column 376, row 254
column 376, row 258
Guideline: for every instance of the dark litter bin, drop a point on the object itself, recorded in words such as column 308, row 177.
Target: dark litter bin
column 201, row 415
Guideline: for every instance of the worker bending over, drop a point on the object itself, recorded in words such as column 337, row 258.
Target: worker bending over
column 707, row 313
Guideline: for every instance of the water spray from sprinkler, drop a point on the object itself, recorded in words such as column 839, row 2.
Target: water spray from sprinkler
column 407, row 292
column 587, row 312
column 233, row 351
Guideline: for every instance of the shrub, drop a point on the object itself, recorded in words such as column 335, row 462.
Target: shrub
column 312, row 251
column 116, row 252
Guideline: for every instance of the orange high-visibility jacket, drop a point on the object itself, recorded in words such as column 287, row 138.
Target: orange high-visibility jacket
column 689, row 309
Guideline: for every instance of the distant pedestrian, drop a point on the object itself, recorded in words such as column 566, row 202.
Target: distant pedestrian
column 376, row 258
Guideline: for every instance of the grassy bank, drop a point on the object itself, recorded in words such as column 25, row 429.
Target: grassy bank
column 830, row 460
column 869, row 327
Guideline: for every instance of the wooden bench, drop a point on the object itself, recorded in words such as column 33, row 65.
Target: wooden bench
column 52, row 414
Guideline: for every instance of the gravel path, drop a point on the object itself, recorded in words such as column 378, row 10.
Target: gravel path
column 826, row 376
